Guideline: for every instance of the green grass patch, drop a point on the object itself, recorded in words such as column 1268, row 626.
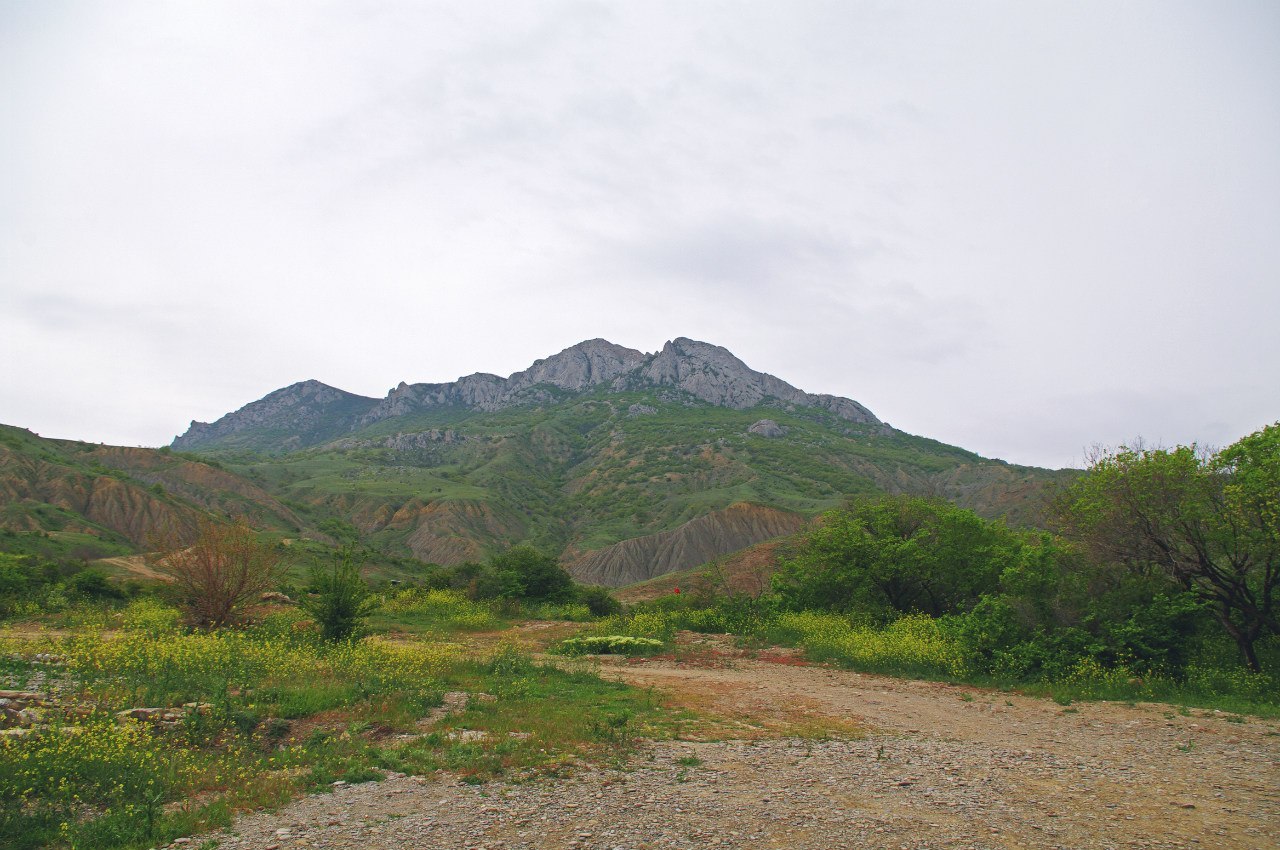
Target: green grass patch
column 272, row 711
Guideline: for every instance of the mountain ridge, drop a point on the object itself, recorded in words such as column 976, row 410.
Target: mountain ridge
column 628, row 464
column 310, row 412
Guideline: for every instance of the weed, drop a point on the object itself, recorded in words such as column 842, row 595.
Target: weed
column 614, row 729
column 689, row 761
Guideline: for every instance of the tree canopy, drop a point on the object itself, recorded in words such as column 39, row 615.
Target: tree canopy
column 1210, row 522
column 896, row 554
column 522, row 572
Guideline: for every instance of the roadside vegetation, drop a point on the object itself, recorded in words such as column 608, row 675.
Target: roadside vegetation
column 1161, row 586
column 138, row 717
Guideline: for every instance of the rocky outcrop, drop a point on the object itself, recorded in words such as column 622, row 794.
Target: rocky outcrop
column 298, row 415
column 714, row 375
column 415, row 441
column 585, row 365
column 311, row 413
column 768, row 428
column 696, row 542
column 579, row 367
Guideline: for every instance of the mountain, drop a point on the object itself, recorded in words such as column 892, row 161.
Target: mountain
column 311, row 413
column 629, row 464
column 299, row 415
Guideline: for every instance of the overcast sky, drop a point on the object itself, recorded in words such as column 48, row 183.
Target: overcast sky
column 1020, row 227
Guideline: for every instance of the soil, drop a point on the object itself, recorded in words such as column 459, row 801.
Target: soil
column 812, row 757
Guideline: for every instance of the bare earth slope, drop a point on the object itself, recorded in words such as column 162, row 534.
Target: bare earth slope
column 696, row 542
column 934, row 770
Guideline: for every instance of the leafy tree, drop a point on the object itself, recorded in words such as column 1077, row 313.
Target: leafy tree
column 524, row 572
column 1208, row 522
column 339, row 600
column 896, row 553
column 341, row 530
column 218, row 575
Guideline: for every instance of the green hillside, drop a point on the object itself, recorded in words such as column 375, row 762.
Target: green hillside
column 583, row 472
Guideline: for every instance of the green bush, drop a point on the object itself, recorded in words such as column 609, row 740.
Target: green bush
column 339, row 600
column 608, row 645
column 93, row 584
column 598, row 600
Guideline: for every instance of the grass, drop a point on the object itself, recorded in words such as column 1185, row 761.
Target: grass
column 274, row 712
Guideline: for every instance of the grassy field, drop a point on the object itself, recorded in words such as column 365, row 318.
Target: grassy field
column 253, row 717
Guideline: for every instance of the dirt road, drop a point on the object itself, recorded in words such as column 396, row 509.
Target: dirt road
column 932, row 766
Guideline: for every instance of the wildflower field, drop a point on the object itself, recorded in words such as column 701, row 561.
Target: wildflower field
column 250, row 717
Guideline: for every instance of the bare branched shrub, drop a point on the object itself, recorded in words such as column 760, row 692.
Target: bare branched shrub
column 220, row 574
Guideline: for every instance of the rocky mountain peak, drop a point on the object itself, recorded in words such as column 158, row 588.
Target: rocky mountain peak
column 310, row 411
column 306, row 410
column 713, row 374
column 595, row 361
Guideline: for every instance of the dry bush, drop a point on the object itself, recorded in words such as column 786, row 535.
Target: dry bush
column 220, row 574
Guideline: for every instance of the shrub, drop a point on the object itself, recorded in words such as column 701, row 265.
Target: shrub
column 599, row 600
column 340, row 601
column 93, row 584
column 608, row 645
column 218, row 575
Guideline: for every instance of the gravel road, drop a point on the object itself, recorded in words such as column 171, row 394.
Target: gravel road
column 937, row 766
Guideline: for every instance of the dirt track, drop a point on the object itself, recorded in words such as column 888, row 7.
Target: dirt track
column 933, row 766
column 1094, row 774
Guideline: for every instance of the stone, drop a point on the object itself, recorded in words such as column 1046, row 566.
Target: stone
column 468, row 735
column 768, row 428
